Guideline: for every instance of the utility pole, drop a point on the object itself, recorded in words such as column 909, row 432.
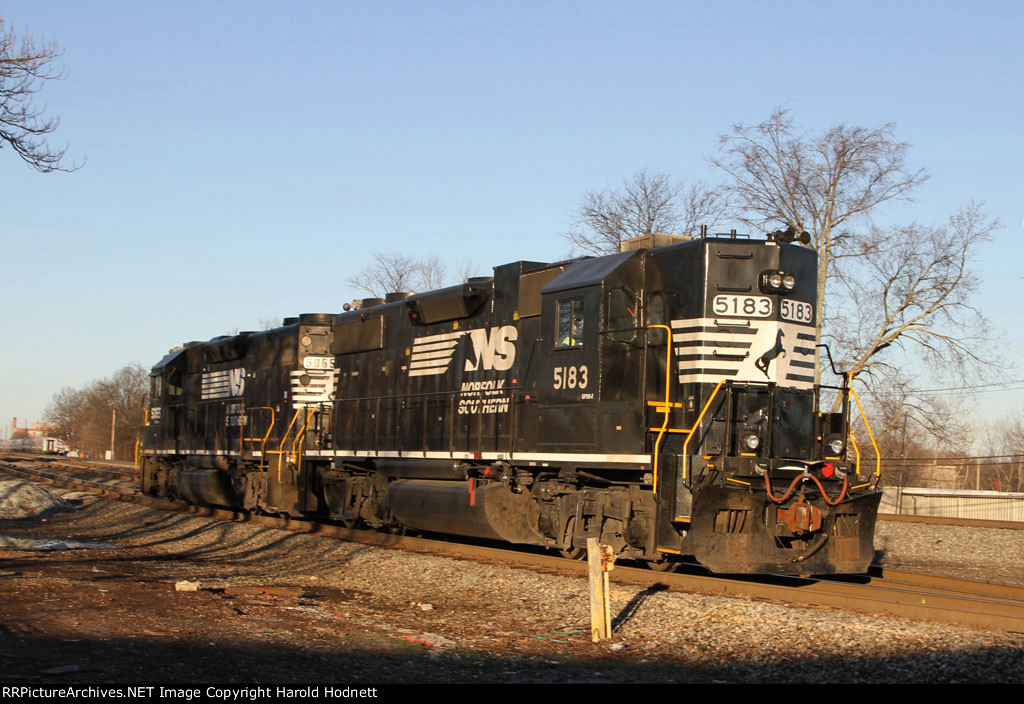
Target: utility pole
column 113, row 426
column 1020, row 462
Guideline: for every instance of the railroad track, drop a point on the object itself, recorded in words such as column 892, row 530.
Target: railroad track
column 883, row 590
column 68, row 474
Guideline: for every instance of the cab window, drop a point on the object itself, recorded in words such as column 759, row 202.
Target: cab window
column 569, row 322
column 622, row 315
column 656, row 316
column 175, row 381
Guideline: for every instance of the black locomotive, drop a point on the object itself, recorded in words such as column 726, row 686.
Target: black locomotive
column 660, row 399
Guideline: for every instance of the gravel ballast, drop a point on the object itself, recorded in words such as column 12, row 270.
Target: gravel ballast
column 376, row 615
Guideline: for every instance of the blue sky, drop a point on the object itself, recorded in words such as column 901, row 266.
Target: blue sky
column 243, row 159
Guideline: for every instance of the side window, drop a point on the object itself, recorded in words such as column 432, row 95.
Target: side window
column 656, row 316
column 174, row 385
column 156, row 389
column 569, row 322
column 622, row 315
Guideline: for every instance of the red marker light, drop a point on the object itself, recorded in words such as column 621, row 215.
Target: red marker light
column 827, row 470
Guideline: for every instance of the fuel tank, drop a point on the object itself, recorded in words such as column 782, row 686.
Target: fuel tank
column 209, row 487
column 490, row 510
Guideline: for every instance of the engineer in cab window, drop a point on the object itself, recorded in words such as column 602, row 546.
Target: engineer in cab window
column 570, row 323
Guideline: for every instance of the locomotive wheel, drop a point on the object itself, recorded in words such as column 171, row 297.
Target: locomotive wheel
column 574, row 553
column 664, row 565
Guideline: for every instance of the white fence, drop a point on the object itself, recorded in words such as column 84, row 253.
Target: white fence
column 953, row 503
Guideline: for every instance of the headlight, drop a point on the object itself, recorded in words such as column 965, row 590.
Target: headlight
column 776, row 281
column 836, row 445
column 752, row 441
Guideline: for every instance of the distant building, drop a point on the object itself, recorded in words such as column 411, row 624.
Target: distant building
column 35, row 430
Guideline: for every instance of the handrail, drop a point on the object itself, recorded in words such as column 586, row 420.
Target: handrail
column 284, row 439
column 856, row 449
column 697, row 424
column 241, row 427
column 863, row 417
column 299, row 436
column 665, row 407
column 266, row 436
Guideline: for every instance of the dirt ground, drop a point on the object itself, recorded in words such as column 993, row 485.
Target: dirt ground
column 180, row 601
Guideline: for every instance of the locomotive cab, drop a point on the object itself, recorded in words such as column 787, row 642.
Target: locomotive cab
column 591, row 359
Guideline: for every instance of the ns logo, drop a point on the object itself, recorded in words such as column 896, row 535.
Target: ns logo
column 489, row 349
column 236, row 381
column 492, row 349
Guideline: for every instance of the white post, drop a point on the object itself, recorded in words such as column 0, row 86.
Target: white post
column 601, row 561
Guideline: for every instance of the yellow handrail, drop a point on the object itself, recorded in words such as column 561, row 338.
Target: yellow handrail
column 665, row 407
column 266, row 436
column 296, row 443
column 697, row 424
column 284, row 439
column 863, row 417
column 857, row 450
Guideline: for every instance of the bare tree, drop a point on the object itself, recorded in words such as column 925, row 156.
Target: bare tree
column 904, row 420
column 701, row 205
column 63, row 414
column 915, row 294
column 1005, row 441
column 25, row 66
column 82, row 417
column 399, row 272
column 820, row 184
column 432, row 273
column 646, row 204
column 885, row 296
column 465, row 270
column 1013, row 435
